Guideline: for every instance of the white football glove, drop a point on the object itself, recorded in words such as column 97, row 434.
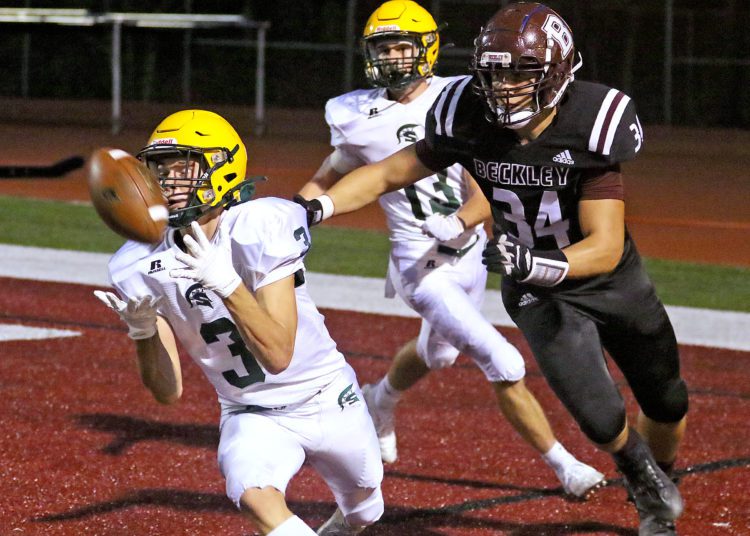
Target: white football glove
column 208, row 264
column 443, row 228
column 139, row 313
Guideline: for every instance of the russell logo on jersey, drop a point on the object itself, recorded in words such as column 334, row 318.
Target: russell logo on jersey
column 155, row 267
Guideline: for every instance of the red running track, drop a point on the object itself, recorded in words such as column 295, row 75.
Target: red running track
column 84, row 449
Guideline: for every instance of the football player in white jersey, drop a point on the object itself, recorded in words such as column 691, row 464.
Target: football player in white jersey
column 435, row 262
column 228, row 282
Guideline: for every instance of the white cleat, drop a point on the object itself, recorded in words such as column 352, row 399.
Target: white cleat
column 384, row 426
column 337, row 526
column 580, row 480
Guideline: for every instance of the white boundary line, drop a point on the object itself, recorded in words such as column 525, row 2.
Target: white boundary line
column 701, row 327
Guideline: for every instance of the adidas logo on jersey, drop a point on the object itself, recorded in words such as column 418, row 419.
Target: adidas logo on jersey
column 527, row 299
column 564, row 158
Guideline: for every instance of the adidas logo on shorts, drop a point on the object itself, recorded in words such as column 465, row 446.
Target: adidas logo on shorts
column 527, row 299
column 564, row 158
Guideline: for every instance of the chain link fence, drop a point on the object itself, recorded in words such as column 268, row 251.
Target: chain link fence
column 685, row 62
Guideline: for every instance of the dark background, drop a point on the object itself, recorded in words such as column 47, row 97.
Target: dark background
column 622, row 43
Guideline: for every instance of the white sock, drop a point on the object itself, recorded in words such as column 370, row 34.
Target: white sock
column 386, row 396
column 293, row 526
column 558, row 458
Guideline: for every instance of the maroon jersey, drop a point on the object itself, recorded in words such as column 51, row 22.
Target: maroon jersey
column 534, row 189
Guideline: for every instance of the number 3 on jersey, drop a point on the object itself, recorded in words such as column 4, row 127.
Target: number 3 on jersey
column 548, row 221
column 210, row 333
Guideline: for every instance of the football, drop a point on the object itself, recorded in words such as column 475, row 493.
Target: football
column 126, row 195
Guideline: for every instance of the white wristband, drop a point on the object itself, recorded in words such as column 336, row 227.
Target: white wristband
column 546, row 272
column 326, row 203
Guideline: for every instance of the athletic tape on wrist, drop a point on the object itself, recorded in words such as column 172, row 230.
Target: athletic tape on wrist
column 326, row 203
column 545, row 271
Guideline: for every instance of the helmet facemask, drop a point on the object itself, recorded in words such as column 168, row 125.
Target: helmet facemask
column 515, row 94
column 391, row 71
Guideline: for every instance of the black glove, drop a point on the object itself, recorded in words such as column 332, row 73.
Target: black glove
column 313, row 207
column 504, row 255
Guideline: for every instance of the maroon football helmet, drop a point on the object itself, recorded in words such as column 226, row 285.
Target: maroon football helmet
column 527, row 50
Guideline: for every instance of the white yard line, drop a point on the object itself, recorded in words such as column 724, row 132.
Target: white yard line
column 702, row 327
column 15, row 332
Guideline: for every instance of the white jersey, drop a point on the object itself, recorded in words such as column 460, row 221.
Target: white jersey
column 269, row 239
column 367, row 127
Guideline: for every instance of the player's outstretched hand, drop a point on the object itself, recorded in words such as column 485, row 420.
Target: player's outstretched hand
column 208, row 264
column 442, row 227
column 139, row 313
column 504, row 255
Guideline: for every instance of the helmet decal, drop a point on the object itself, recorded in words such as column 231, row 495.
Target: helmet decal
column 559, row 31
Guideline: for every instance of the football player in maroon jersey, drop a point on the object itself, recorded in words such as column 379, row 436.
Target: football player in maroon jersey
column 546, row 152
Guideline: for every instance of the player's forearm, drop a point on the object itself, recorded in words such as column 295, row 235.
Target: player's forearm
column 160, row 371
column 358, row 188
column 364, row 185
column 602, row 223
column 268, row 340
column 475, row 211
column 324, row 178
column 592, row 256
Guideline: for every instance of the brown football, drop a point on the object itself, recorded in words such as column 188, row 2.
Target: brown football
column 126, row 195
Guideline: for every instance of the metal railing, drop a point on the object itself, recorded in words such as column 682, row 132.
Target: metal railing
column 82, row 17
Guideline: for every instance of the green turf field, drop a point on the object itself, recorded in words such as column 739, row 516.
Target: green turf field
column 349, row 252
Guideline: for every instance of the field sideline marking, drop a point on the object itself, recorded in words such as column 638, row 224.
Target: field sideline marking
column 16, row 332
column 701, row 327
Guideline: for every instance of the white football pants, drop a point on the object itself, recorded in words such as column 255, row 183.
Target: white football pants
column 447, row 291
column 333, row 431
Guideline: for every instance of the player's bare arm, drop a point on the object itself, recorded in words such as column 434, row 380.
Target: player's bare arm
column 476, row 209
column 158, row 359
column 159, row 364
column 364, row 185
column 267, row 322
column 603, row 226
column 324, row 178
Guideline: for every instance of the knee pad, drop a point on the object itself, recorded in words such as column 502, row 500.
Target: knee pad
column 365, row 512
column 499, row 360
column 668, row 405
column 602, row 425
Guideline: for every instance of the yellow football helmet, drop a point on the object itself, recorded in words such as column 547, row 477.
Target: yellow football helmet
column 206, row 137
column 400, row 20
